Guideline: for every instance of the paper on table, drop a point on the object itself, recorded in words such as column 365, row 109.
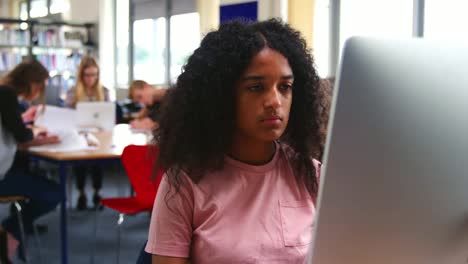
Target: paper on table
column 70, row 140
column 56, row 118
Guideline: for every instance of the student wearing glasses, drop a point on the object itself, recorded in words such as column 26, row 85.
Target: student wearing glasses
column 88, row 88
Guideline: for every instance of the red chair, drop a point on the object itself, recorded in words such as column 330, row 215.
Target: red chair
column 138, row 162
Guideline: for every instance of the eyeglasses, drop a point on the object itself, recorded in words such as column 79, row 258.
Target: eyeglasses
column 90, row 75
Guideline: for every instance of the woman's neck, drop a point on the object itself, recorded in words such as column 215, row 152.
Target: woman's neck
column 251, row 151
column 89, row 91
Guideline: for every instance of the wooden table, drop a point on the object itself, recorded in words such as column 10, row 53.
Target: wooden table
column 111, row 145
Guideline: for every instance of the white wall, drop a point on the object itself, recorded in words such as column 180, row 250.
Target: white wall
column 83, row 11
column 209, row 15
column 4, row 8
column 106, row 43
column 272, row 9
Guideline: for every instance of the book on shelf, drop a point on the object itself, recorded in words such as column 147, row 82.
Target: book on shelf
column 59, row 47
column 12, row 37
column 60, row 62
column 63, row 36
column 8, row 60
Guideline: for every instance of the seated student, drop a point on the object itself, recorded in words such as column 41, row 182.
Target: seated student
column 27, row 81
column 143, row 93
column 237, row 136
column 87, row 89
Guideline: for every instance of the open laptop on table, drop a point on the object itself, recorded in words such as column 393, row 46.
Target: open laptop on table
column 95, row 116
column 394, row 186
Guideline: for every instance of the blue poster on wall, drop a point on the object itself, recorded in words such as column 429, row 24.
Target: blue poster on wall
column 246, row 11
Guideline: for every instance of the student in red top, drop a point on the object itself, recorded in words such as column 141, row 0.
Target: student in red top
column 238, row 136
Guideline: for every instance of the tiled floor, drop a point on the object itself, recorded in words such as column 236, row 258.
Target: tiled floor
column 81, row 229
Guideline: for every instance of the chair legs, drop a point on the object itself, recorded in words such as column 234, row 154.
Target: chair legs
column 119, row 231
column 22, row 234
column 16, row 208
column 119, row 234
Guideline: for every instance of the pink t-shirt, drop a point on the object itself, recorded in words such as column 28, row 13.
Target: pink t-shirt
column 242, row 214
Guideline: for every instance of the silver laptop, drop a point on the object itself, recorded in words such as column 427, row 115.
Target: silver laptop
column 394, row 188
column 95, row 115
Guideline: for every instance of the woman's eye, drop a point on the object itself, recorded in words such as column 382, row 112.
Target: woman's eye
column 285, row 87
column 255, row 88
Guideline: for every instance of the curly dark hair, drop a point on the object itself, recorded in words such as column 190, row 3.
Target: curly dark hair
column 198, row 114
column 323, row 104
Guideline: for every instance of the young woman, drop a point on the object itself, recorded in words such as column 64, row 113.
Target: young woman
column 238, row 136
column 87, row 89
column 143, row 93
column 25, row 81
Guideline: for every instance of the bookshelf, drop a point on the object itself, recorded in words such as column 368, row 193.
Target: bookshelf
column 57, row 45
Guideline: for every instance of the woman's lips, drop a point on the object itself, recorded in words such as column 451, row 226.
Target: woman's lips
column 272, row 121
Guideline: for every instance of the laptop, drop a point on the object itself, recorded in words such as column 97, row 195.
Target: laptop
column 95, row 116
column 394, row 186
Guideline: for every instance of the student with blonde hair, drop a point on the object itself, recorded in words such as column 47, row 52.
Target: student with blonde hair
column 87, row 89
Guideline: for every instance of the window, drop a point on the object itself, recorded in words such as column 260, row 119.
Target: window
column 38, row 8
column 150, row 46
column 446, row 19
column 149, row 50
column 185, row 38
column 59, row 6
column 23, row 10
column 321, row 50
column 379, row 18
column 122, row 22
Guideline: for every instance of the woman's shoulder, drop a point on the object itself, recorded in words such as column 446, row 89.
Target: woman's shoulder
column 292, row 155
column 6, row 90
column 181, row 177
column 7, row 94
column 70, row 99
column 177, row 182
column 106, row 93
column 105, row 90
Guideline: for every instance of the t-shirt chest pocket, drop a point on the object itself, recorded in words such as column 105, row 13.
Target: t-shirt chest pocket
column 297, row 220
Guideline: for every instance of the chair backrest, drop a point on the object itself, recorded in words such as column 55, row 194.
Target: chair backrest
column 139, row 163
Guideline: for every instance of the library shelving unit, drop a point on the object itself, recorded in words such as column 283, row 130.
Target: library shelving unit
column 15, row 43
column 59, row 46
